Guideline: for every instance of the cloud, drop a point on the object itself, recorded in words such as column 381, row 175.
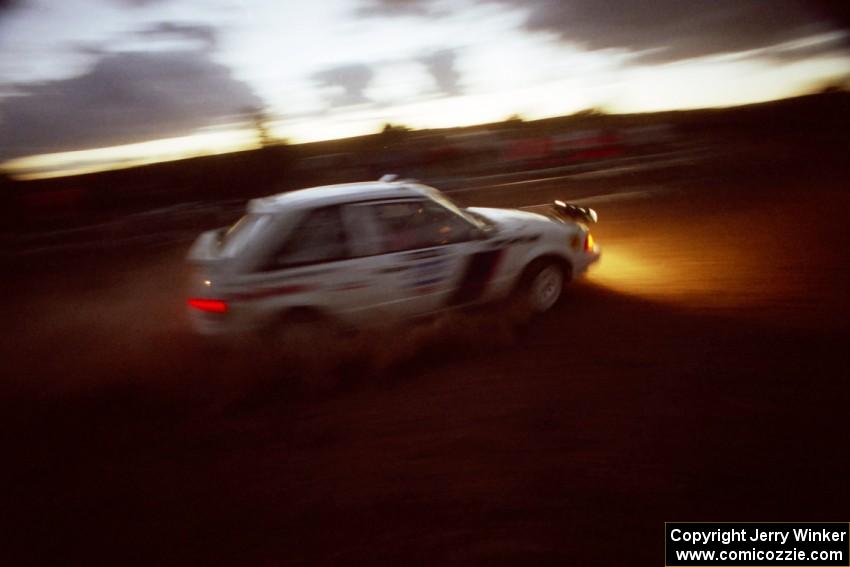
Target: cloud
column 663, row 30
column 347, row 83
column 836, row 12
column 8, row 7
column 441, row 66
column 205, row 35
column 393, row 8
column 140, row 3
column 831, row 43
column 668, row 30
column 126, row 97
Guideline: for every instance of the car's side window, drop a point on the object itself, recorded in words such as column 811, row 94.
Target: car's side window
column 319, row 237
column 408, row 225
column 364, row 235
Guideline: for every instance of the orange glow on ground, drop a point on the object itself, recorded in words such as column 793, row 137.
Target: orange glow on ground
column 624, row 270
column 687, row 272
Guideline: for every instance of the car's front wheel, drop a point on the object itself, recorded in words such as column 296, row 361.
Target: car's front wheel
column 542, row 285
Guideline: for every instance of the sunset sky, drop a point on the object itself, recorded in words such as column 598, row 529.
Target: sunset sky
column 89, row 84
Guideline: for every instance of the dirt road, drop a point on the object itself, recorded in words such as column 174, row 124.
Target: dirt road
column 700, row 373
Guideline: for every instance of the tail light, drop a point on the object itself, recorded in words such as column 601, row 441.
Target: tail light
column 208, row 305
column 588, row 242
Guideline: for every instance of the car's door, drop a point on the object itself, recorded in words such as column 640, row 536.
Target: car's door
column 421, row 251
column 313, row 266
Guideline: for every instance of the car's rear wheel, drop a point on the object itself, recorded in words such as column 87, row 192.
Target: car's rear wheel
column 312, row 346
column 542, row 285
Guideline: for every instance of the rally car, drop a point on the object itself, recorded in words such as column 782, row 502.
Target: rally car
column 372, row 253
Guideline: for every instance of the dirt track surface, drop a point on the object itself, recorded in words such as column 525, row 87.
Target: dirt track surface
column 699, row 374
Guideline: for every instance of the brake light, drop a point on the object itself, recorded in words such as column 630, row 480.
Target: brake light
column 209, row 305
column 588, row 243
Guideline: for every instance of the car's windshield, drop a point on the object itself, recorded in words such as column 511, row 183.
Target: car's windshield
column 444, row 200
column 485, row 223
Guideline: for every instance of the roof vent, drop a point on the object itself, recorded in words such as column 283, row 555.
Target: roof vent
column 389, row 177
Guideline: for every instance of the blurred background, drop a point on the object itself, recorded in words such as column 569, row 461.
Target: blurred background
column 121, row 106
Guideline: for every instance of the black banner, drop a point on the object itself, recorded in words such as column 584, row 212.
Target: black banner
column 763, row 544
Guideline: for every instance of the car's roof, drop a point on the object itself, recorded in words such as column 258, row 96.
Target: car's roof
column 335, row 194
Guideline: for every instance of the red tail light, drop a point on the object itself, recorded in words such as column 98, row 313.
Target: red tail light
column 209, row 305
column 588, row 243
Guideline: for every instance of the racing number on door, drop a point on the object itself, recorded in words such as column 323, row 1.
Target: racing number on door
column 419, row 247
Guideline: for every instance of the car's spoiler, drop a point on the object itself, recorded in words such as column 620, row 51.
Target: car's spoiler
column 574, row 212
column 565, row 211
column 206, row 248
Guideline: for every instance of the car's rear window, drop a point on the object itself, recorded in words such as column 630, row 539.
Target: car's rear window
column 242, row 232
column 319, row 237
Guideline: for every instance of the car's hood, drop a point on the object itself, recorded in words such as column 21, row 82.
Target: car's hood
column 513, row 219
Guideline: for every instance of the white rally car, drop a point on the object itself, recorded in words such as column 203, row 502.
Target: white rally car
column 361, row 254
